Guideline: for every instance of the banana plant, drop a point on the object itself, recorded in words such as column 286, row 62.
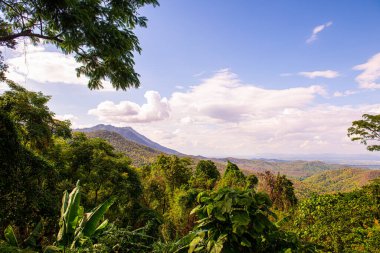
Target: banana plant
column 30, row 242
column 76, row 226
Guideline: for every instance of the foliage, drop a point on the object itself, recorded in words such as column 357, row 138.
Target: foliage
column 237, row 221
column 103, row 173
column 341, row 222
column 176, row 171
column 98, row 33
column 167, row 191
column 27, row 245
column 122, row 240
column 367, row 131
column 334, row 181
column 34, row 121
column 280, row 190
column 77, row 227
column 140, row 155
column 251, row 182
column 27, row 190
column 233, row 177
column 206, row 175
column 183, row 201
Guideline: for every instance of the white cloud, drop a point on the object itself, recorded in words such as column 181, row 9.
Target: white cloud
column 369, row 78
column 323, row 73
column 223, row 116
column 345, row 93
column 35, row 63
column 70, row 117
column 316, row 30
column 155, row 109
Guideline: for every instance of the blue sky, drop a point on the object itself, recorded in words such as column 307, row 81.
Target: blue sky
column 232, row 77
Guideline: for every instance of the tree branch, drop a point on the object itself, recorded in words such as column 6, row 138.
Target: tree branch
column 28, row 33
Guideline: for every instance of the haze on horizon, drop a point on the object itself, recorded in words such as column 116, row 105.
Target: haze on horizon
column 227, row 79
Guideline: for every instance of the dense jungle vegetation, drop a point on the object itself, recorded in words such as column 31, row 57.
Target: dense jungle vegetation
column 167, row 205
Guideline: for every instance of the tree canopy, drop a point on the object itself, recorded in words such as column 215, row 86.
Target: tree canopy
column 98, row 33
column 367, row 131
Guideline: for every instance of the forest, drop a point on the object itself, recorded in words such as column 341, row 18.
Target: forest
column 68, row 191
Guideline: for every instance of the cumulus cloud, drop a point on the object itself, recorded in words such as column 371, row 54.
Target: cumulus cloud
column 155, row 109
column 224, row 116
column 323, row 73
column 35, row 63
column 316, row 30
column 369, row 78
column 224, row 98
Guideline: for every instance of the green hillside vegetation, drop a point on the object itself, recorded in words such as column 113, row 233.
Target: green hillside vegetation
column 333, row 181
column 296, row 169
column 140, row 155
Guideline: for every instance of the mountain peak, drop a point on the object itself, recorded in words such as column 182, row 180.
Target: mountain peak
column 132, row 135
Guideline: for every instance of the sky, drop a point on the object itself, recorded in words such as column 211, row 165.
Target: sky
column 231, row 78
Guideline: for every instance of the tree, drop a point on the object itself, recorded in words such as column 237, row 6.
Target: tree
column 206, row 174
column 233, row 177
column 27, row 182
column 176, row 171
column 103, row 173
column 98, row 33
column 251, row 181
column 33, row 119
column 343, row 222
column 280, row 190
column 367, row 131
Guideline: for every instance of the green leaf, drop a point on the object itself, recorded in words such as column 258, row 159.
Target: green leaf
column 10, row 236
column 95, row 216
column 219, row 216
column 69, row 213
column 244, row 242
column 210, row 207
column 240, row 218
column 194, row 244
column 102, row 226
column 195, row 210
column 35, row 235
column 218, row 246
column 62, row 229
column 52, row 249
column 73, row 209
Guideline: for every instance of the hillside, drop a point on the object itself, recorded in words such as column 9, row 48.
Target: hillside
column 139, row 154
column 296, row 169
column 332, row 181
column 130, row 134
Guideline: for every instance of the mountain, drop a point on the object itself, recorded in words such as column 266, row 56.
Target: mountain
column 130, row 134
column 138, row 153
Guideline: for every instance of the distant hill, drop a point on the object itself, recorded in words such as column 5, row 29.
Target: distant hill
column 138, row 153
column 296, row 169
column 130, row 134
column 340, row 180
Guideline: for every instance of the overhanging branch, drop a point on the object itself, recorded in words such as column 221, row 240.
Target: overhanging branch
column 28, row 33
